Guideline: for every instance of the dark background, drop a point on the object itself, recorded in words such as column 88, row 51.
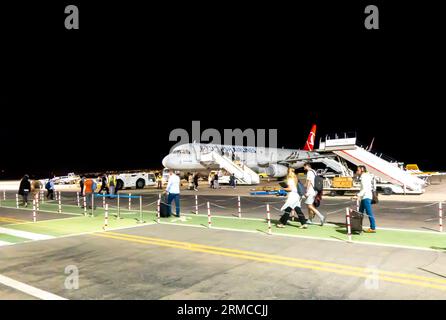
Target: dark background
column 107, row 96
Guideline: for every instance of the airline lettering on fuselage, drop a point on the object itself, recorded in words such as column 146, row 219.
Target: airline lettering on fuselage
column 209, row 148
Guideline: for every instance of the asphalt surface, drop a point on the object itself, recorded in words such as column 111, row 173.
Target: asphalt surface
column 121, row 266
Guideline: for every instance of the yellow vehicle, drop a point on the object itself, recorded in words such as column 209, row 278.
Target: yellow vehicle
column 263, row 175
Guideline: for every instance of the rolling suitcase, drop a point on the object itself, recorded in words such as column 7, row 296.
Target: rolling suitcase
column 356, row 221
column 164, row 207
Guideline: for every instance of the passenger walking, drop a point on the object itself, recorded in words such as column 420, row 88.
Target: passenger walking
column 81, row 184
column 365, row 195
column 35, row 189
column 90, row 187
column 311, row 195
column 49, row 186
column 293, row 202
column 104, row 186
column 196, row 177
column 24, row 189
column 173, row 193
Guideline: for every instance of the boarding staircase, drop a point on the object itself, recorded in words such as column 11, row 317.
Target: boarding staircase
column 337, row 166
column 241, row 172
column 347, row 149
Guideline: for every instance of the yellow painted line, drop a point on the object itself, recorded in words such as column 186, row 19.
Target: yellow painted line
column 14, row 220
column 306, row 261
column 362, row 273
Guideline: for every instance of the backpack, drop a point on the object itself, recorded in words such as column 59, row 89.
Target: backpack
column 301, row 189
column 48, row 185
column 318, row 182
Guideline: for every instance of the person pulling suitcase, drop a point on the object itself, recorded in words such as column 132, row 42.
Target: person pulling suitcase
column 365, row 195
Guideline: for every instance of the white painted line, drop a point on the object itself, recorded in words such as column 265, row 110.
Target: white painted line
column 32, row 291
column 4, row 243
column 25, row 234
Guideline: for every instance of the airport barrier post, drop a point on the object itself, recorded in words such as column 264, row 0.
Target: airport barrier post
column 209, row 215
column 78, row 199
column 119, row 208
column 357, row 204
column 92, row 204
column 130, row 201
column 85, row 205
column 103, row 199
column 239, row 207
column 268, row 219
column 17, row 201
column 37, row 202
column 4, row 195
column 440, row 216
column 106, row 217
column 196, row 204
column 349, row 227
column 34, row 210
column 42, row 196
column 60, row 203
column 140, row 210
column 158, row 211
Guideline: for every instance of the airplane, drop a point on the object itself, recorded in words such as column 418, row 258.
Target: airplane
column 272, row 161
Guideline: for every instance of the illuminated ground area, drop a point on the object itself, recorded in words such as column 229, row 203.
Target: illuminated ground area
column 137, row 258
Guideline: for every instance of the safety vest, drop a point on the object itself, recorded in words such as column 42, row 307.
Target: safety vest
column 112, row 180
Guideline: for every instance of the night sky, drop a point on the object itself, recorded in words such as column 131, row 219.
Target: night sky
column 107, row 97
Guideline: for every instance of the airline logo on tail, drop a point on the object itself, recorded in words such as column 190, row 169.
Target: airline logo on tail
column 309, row 145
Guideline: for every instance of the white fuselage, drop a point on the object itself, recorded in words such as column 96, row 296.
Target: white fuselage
column 187, row 157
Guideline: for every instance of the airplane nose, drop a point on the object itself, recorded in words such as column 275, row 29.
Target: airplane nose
column 165, row 161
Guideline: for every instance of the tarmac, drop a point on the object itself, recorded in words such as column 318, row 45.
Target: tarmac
column 234, row 259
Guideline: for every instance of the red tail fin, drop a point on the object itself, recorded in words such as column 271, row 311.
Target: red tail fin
column 309, row 145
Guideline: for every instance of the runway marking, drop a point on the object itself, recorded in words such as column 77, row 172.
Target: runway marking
column 30, row 290
column 395, row 277
column 11, row 220
column 25, row 234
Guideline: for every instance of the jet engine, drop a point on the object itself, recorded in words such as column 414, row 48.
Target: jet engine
column 277, row 171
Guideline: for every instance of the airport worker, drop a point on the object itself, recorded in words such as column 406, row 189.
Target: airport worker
column 24, row 189
column 293, row 202
column 173, row 193
column 190, row 180
column 112, row 183
column 90, row 187
column 159, row 181
column 215, row 182
column 49, row 186
column 211, row 180
column 196, row 177
column 311, row 194
column 365, row 195
column 232, row 181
